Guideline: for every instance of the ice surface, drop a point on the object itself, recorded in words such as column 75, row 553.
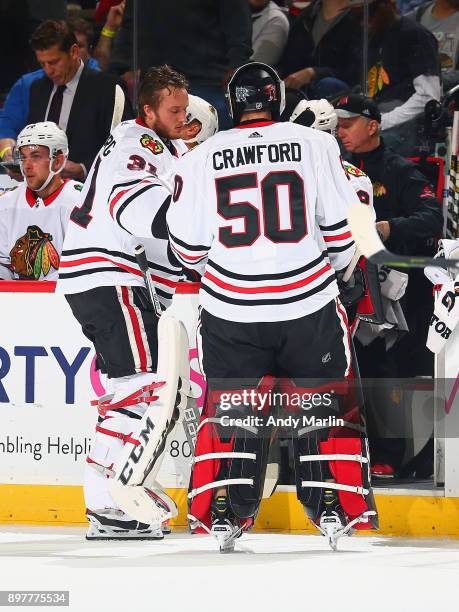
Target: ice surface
column 272, row 572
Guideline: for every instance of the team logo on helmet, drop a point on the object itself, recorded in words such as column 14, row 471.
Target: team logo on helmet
column 270, row 92
column 151, row 144
column 242, row 93
column 34, row 254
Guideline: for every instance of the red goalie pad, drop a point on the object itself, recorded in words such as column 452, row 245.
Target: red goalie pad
column 349, row 473
column 244, row 473
column 205, row 472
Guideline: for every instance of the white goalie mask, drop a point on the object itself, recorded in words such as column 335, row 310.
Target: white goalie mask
column 325, row 115
column 206, row 114
column 45, row 134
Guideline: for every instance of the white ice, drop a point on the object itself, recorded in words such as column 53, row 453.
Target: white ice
column 267, row 572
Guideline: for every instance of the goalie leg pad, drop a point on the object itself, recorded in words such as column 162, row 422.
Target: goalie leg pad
column 140, row 460
column 111, row 432
column 336, row 458
column 234, row 458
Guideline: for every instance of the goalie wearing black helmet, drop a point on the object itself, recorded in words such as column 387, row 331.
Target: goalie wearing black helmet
column 252, row 209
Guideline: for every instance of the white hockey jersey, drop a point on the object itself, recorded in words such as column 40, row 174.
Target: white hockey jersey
column 123, row 203
column 32, row 230
column 252, row 208
column 360, row 183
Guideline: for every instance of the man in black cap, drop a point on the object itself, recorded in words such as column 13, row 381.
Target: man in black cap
column 406, row 208
column 407, row 212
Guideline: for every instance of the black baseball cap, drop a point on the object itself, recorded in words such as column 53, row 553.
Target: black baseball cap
column 357, row 105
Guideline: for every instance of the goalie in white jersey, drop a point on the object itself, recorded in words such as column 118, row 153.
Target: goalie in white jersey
column 35, row 213
column 124, row 203
column 251, row 210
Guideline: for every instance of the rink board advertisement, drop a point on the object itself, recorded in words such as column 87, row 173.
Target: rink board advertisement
column 47, row 381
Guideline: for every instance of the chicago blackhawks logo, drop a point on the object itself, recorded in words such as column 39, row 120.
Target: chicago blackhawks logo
column 151, row 144
column 379, row 190
column 353, row 170
column 34, row 254
column 377, row 79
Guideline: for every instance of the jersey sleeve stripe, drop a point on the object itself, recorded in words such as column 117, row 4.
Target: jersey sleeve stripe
column 90, row 260
column 269, row 288
column 121, row 255
column 124, row 184
column 344, row 236
column 120, row 194
column 188, row 247
column 188, row 259
column 340, row 249
column 332, row 228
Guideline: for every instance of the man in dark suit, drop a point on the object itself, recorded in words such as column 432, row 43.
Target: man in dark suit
column 85, row 103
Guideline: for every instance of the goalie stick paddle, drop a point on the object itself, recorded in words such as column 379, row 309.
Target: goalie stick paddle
column 141, row 258
column 369, row 243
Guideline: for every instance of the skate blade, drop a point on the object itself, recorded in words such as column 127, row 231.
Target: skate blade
column 119, row 537
column 123, row 539
column 226, row 537
column 332, row 528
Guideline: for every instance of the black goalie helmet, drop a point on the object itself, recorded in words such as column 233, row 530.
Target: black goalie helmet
column 255, row 87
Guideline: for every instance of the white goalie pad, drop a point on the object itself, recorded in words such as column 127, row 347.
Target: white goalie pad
column 134, row 486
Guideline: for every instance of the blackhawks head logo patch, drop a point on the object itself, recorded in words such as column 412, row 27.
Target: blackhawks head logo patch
column 353, row 170
column 379, row 190
column 153, row 145
column 33, row 254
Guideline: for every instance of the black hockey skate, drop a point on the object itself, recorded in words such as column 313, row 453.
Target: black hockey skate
column 113, row 524
column 225, row 526
column 333, row 522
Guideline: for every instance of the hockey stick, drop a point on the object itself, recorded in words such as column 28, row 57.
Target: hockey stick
column 351, row 267
column 368, row 241
column 142, row 262
column 118, row 109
